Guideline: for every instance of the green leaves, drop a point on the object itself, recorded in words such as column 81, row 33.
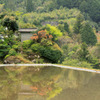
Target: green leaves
column 78, row 24
column 4, row 49
column 53, row 31
column 29, row 6
column 87, row 34
column 52, row 55
column 10, row 23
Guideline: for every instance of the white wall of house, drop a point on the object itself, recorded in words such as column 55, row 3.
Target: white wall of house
column 25, row 36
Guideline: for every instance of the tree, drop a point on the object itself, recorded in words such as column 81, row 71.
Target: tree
column 4, row 49
column 92, row 7
column 55, row 32
column 66, row 27
column 10, row 4
column 78, row 24
column 29, row 6
column 10, row 23
column 84, row 53
column 83, row 6
column 87, row 34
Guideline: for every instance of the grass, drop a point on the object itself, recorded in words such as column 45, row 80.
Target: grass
column 23, row 59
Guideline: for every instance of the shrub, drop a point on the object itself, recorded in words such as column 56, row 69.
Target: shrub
column 97, row 51
column 76, row 63
column 26, row 44
column 56, row 47
column 4, row 49
column 61, row 27
column 35, row 47
column 84, row 54
column 46, row 42
column 39, row 61
column 52, row 55
column 55, row 32
column 6, row 56
column 12, row 52
column 28, row 51
column 10, row 22
column 27, row 25
column 17, row 46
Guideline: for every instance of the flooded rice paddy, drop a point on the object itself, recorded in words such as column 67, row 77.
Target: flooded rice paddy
column 48, row 83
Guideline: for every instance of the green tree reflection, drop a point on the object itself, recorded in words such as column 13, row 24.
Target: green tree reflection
column 42, row 83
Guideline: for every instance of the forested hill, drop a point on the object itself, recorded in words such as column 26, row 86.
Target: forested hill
column 90, row 8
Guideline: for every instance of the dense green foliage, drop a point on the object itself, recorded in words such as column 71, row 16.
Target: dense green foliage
column 9, row 21
column 90, row 7
column 29, row 6
column 62, row 27
column 53, row 55
column 87, row 34
column 26, row 44
column 84, row 53
column 78, row 24
column 54, row 31
column 4, row 49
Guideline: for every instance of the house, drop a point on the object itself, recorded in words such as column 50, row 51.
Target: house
column 26, row 33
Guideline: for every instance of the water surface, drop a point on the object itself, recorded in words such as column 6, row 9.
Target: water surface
column 48, row 83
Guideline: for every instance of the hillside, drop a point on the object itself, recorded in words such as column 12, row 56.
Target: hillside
column 90, row 8
column 66, row 32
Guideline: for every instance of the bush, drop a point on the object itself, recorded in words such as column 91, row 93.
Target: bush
column 97, row 51
column 10, row 22
column 28, row 51
column 39, row 61
column 4, row 49
column 84, row 54
column 17, row 46
column 27, row 25
column 76, row 63
column 35, row 47
column 12, row 52
column 56, row 47
column 26, row 44
column 6, row 56
column 55, row 32
column 47, row 52
column 46, row 42
column 52, row 55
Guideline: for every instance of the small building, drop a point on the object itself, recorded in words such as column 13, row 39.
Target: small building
column 26, row 33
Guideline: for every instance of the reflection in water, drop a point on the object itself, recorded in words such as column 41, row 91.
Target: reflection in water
column 48, row 83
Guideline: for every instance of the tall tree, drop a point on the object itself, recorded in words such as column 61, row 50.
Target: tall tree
column 78, row 24
column 87, row 34
column 9, row 4
column 92, row 7
column 66, row 27
column 29, row 6
column 10, row 22
column 83, row 53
